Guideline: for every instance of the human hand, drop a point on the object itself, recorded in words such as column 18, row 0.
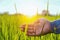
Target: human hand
column 39, row 27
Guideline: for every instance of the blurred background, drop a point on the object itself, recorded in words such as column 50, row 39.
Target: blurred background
column 14, row 13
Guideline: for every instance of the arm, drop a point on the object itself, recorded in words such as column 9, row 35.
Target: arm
column 42, row 27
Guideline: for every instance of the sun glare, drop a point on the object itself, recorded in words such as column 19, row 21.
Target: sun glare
column 28, row 12
column 27, row 8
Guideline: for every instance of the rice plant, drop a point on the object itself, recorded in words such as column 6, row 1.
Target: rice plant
column 10, row 28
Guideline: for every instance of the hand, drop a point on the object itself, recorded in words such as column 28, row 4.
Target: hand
column 39, row 27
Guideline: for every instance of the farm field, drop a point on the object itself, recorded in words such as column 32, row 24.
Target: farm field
column 10, row 27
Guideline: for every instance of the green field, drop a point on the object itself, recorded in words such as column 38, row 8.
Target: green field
column 10, row 27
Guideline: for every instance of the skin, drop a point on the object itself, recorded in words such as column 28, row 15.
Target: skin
column 39, row 27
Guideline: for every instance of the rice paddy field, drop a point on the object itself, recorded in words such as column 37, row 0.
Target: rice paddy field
column 10, row 27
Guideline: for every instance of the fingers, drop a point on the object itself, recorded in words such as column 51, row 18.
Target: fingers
column 30, row 31
column 31, row 28
column 31, row 34
column 35, row 31
column 22, row 27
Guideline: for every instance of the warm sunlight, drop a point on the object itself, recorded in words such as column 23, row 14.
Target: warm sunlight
column 29, row 7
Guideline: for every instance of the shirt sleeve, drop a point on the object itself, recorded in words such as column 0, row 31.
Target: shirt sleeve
column 55, row 26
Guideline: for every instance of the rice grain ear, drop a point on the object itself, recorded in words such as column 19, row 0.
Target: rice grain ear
column 26, row 27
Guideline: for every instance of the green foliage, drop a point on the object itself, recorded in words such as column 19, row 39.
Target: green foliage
column 10, row 28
